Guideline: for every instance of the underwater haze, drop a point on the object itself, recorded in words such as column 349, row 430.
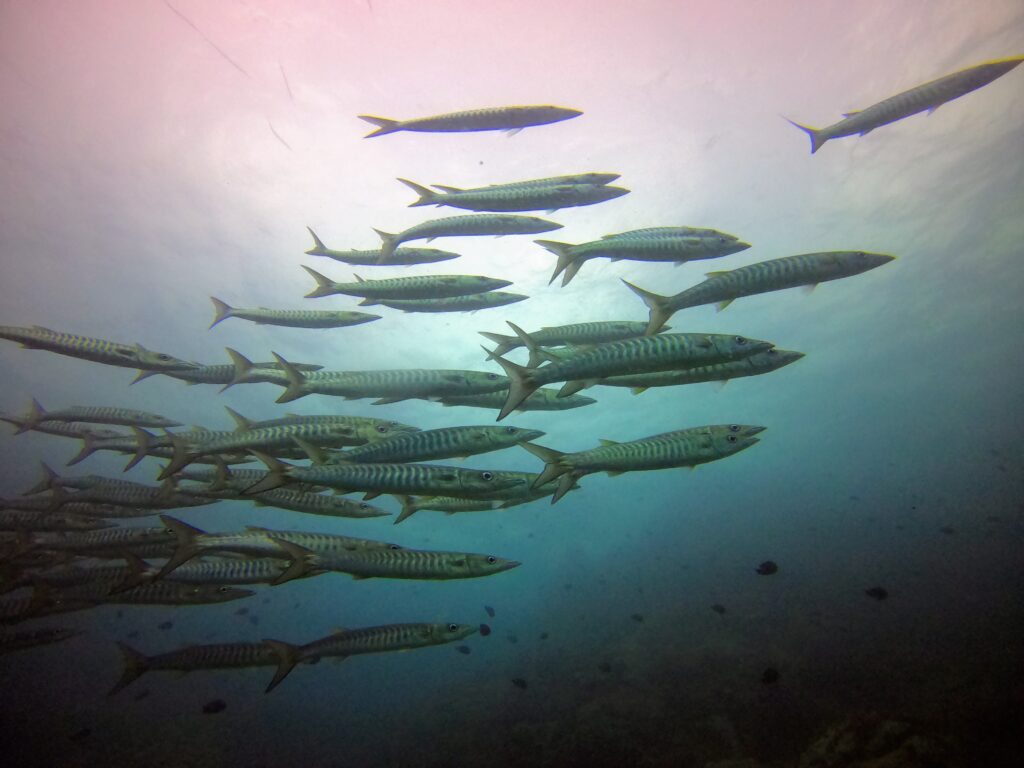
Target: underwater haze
column 155, row 154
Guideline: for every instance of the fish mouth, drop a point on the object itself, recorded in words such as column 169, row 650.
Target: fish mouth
column 509, row 565
column 751, row 431
column 531, row 434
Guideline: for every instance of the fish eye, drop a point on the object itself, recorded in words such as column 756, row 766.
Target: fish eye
column 363, row 505
column 772, row 351
column 453, row 627
column 393, row 546
column 492, row 376
column 734, row 427
column 511, row 430
column 222, row 589
column 487, row 475
column 731, row 438
column 382, row 428
column 163, row 357
column 739, row 340
column 492, row 559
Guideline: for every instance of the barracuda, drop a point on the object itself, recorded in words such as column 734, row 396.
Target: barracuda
column 226, row 374
column 520, row 197
column 96, row 350
column 32, row 520
column 400, row 257
column 96, row 415
column 375, row 479
column 657, row 232
column 193, row 658
column 350, row 642
column 654, row 353
column 541, row 400
column 763, row 362
column 929, row 96
column 73, row 430
column 422, row 287
column 477, row 224
column 444, row 443
column 450, row 505
column 456, row 303
column 576, row 334
column 17, row 641
column 388, row 386
column 681, row 448
column 511, row 119
column 677, row 250
column 722, row 288
column 290, row 318
column 317, row 504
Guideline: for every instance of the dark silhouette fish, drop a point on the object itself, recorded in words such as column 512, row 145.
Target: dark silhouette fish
column 767, row 568
column 215, row 706
column 463, row 649
column 879, row 593
column 770, row 676
column 519, row 682
column 485, row 630
column 490, row 611
column 718, row 608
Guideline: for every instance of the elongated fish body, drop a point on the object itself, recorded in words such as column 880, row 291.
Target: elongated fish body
column 106, row 540
column 19, row 641
column 224, row 479
column 649, row 353
column 366, row 428
column 106, row 511
column 74, row 430
column 371, row 258
column 763, row 362
column 576, row 334
column 350, row 642
column 317, row 504
column 97, row 415
column 660, row 232
column 156, row 593
column 678, row 250
column 237, row 570
column 421, row 287
column 76, row 573
column 541, row 197
column 29, row 520
column 96, row 350
column 225, row 374
column 929, row 96
column 479, row 224
column 291, row 318
column 541, row 400
column 193, row 658
column 390, row 386
column 443, row 443
column 722, row 288
column 681, row 448
column 451, row 505
column 136, row 495
column 456, row 303
column 408, row 564
column 405, row 479
column 549, row 181
column 511, row 119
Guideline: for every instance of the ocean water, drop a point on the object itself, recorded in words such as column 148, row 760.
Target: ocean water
column 155, row 154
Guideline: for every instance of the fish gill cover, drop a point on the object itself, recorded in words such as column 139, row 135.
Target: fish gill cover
column 545, row 522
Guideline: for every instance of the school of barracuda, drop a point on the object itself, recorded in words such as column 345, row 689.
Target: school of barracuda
column 63, row 547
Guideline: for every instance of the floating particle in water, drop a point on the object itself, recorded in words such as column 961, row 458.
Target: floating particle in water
column 854, row 498
column 490, row 611
column 119, row 614
column 215, row 706
column 485, row 630
column 879, row 593
column 512, row 638
column 165, row 625
column 266, row 601
column 133, row 634
column 567, row 586
column 637, row 617
column 770, row 676
column 767, row 568
column 142, row 694
column 519, row 682
column 463, row 649
column 529, row 535
column 948, row 530
column 241, row 612
column 901, row 527
column 606, row 667
column 994, row 519
column 81, row 735
column 718, row 608
column 254, row 620
column 544, row 635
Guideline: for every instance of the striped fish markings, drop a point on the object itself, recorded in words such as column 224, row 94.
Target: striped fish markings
column 470, row 303
column 681, row 448
column 577, row 333
column 32, row 520
column 929, row 96
column 401, row 256
column 60, row 429
column 225, row 374
column 648, row 353
column 18, row 641
column 763, row 362
column 291, row 318
column 388, row 386
column 96, row 350
column 521, row 197
column 722, row 288
column 510, row 119
column 317, row 504
column 95, row 415
column 660, row 232
column 422, row 287
column 600, row 179
column 477, row 224
column 443, row 443
column 351, row 642
column 541, row 400
column 192, row 658
column 650, row 247
column 375, row 479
